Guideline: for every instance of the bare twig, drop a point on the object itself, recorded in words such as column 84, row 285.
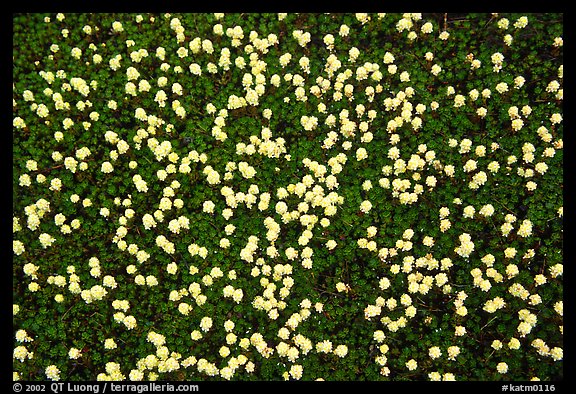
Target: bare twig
column 72, row 306
column 491, row 320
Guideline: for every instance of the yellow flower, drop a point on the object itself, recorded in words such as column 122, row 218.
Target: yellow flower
column 52, row 372
column 434, row 352
column 411, row 364
column 502, row 367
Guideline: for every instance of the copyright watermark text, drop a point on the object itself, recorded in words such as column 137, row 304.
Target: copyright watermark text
column 103, row 387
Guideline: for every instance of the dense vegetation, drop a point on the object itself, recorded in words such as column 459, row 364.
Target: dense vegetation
column 287, row 196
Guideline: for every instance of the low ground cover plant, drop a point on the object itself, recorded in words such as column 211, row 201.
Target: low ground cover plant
column 287, row 196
